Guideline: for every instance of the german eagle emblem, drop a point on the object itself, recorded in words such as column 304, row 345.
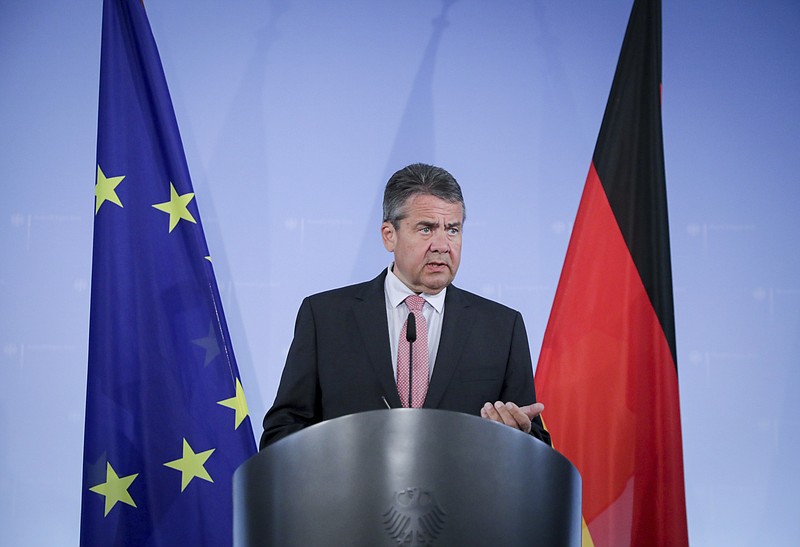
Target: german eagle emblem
column 414, row 517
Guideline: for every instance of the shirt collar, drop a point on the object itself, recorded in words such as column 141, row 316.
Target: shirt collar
column 397, row 292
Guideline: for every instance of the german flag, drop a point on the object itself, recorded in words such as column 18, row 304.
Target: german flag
column 607, row 370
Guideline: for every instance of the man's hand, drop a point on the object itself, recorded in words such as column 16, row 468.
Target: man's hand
column 511, row 414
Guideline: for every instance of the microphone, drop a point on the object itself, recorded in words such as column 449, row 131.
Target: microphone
column 411, row 336
column 411, row 329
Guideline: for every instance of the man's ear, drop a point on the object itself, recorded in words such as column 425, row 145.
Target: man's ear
column 388, row 235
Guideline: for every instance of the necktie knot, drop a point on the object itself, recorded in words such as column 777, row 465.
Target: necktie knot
column 415, row 303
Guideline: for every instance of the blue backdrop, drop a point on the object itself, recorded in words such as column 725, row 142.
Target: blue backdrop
column 293, row 114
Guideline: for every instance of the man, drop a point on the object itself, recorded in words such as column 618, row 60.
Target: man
column 351, row 352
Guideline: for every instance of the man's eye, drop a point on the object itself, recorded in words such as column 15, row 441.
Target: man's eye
column 425, row 230
column 453, row 231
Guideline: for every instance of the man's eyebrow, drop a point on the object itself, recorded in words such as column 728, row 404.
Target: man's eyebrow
column 435, row 224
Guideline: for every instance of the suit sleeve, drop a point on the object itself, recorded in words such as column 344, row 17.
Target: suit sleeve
column 518, row 383
column 297, row 402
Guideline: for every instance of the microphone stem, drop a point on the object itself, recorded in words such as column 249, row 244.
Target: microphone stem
column 410, row 371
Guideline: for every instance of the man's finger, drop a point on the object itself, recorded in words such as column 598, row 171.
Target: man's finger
column 513, row 416
column 522, row 422
column 505, row 414
column 531, row 411
column 490, row 412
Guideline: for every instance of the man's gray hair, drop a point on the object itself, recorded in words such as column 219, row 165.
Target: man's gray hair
column 419, row 179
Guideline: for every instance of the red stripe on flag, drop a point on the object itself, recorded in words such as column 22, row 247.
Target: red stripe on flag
column 609, row 383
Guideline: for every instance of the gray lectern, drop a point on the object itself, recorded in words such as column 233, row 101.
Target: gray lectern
column 407, row 477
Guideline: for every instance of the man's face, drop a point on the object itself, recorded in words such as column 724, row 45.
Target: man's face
column 427, row 243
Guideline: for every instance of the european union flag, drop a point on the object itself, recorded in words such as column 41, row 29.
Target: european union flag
column 166, row 417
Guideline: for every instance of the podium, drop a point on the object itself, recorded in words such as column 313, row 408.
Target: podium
column 407, row 477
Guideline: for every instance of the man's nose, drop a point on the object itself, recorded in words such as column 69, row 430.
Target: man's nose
column 439, row 242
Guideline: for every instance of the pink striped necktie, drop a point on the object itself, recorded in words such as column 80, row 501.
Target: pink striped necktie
column 419, row 373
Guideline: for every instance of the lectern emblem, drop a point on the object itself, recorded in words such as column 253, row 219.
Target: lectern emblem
column 414, row 517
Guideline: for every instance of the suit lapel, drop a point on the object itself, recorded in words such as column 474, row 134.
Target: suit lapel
column 370, row 313
column 456, row 329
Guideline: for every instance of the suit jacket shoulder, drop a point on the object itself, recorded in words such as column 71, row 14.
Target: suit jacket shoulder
column 366, row 290
column 465, row 298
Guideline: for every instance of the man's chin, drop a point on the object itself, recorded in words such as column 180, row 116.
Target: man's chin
column 435, row 283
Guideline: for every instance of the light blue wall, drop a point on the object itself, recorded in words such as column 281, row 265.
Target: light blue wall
column 293, row 114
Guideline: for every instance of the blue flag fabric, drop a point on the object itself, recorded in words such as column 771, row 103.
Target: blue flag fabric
column 166, row 417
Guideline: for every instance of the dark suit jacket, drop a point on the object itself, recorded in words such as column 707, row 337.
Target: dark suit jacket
column 339, row 362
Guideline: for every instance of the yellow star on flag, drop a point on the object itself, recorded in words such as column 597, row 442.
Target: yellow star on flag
column 176, row 207
column 105, row 190
column 191, row 465
column 237, row 403
column 115, row 488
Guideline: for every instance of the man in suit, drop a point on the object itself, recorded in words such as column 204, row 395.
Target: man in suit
column 347, row 352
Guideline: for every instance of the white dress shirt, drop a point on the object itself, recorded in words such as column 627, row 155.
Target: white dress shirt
column 397, row 313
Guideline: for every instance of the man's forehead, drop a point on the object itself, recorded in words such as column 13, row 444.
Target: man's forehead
column 426, row 207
